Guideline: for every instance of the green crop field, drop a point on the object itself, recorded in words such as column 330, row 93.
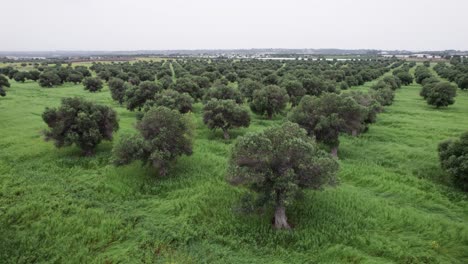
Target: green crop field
column 394, row 203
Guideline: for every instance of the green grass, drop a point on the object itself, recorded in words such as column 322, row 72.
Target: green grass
column 393, row 205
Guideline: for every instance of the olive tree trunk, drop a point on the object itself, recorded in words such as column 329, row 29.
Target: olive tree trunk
column 281, row 221
column 354, row 133
column 226, row 134
column 334, row 152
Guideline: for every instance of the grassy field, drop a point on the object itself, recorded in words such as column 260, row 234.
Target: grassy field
column 393, row 205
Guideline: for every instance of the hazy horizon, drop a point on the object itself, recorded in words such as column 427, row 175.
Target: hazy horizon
column 123, row 25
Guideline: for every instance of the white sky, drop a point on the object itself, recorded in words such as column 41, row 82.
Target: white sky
column 27, row 25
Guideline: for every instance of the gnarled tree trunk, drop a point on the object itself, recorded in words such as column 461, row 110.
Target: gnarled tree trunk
column 354, row 132
column 226, row 134
column 334, row 152
column 281, row 221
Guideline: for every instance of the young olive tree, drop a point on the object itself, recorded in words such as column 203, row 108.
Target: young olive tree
column 165, row 134
column 225, row 114
column 278, row 163
column 269, row 100
column 80, row 122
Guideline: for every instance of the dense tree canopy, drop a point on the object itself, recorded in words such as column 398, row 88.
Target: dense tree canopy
column 187, row 85
column 440, row 94
column 248, row 87
column 49, row 79
column 453, row 154
column 164, row 135
column 4, row 83
column 295, row 90
column 326, row 116
column 225, row 115
column 269, row 100
column 372, row 106
column 277, row 164
column 92, row 84
column 171, row 99
column 21, row 76
column 80, row 122
column 136, row 96
column 223, row 92
column 117, row 89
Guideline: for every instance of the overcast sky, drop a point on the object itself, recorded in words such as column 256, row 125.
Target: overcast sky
column 27, row 25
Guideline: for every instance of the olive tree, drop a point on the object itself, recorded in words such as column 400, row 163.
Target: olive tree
column 3, row 84
column 21, row 76
column 441, row 94
column 187, row 85
column 171, row 99
column 326, row 116
column 164, row 135
column 34, row 75
column 117, row 89
column 92, row 84
column 248, row 86
column 49, row 79
column 371, row 105
column 223, row 92
column 393, row 81
column 75, row 77
column 405, row 77
column 384, row 96
column 269, row 100
column 463, row 82
column 136, row 96
column 453, row 155
column 295, row 90
column 225, row 114
column 80, row 122
column 278, row 163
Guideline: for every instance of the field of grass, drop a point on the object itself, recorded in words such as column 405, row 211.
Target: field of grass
column 393, row 205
